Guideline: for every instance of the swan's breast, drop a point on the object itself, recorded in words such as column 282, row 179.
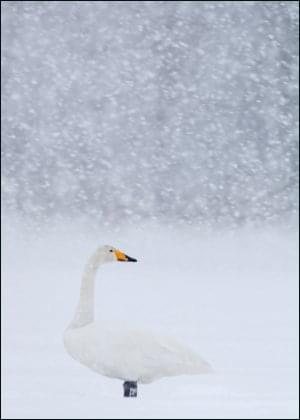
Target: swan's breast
column 94, row 348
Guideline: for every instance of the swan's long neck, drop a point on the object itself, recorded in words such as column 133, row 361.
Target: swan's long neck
column 84, row 313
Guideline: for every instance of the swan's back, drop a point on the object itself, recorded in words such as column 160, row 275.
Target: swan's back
column 131, row 355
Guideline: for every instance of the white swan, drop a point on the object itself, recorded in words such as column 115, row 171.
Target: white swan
column 133, row 356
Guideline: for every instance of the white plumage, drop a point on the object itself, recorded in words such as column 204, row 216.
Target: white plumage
column 128, row 355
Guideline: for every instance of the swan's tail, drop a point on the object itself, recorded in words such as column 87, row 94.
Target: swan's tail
column 196, row 365
column 202, row 367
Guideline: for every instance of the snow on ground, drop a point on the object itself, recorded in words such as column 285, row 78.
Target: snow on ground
column 231, row 296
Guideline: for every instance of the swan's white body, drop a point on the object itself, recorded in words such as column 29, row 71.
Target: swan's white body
column 127, row 355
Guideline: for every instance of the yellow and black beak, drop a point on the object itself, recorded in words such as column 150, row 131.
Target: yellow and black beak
column 123, row 257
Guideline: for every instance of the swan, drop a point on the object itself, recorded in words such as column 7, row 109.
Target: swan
column 131, row 356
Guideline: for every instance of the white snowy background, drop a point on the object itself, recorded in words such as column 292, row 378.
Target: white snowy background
column 169, row 130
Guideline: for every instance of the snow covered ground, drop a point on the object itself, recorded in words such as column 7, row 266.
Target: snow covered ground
column 231, row 296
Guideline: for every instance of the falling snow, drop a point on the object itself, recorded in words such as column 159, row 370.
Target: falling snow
column 168, row 129
column 177, row 111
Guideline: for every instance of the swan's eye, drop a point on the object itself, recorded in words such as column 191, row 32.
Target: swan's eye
column 111, row 250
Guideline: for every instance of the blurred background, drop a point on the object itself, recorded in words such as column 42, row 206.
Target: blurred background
column 176, row 112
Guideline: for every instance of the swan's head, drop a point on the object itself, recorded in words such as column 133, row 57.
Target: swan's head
column 110, row 254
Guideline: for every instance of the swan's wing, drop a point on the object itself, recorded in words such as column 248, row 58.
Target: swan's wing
column 161, row 356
